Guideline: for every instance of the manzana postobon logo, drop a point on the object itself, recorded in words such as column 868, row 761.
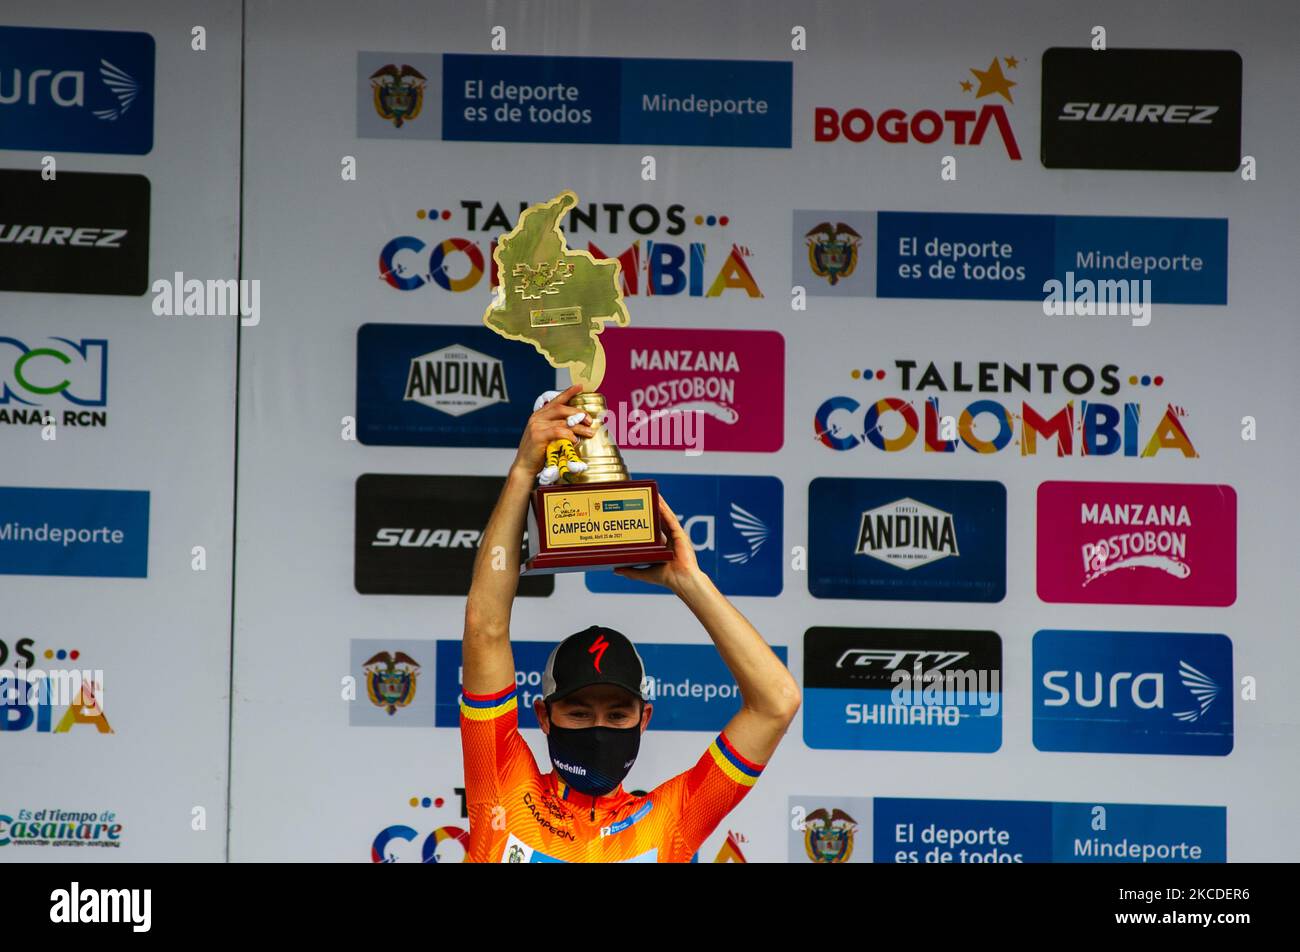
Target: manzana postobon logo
column 76, row 90
column 1137, row 543
column 1019, row 407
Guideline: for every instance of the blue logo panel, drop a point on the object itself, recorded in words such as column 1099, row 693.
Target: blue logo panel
column 1133, row 692
column 1185, row 259
column 445, row 385
column 948, row 255
column 83, row 532
column 735, row 525
column 76, row 90
column 1139, row 833
column 494, row 98
column 693, row 690
column 1015, row 831
column 907, row 539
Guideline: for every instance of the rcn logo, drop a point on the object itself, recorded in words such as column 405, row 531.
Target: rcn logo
column 1133, row 692
column 76, row 90
column 58, row 377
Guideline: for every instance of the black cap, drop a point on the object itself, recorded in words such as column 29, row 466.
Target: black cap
column 597, row 655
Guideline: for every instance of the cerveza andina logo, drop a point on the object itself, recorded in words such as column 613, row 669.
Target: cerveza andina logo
column 907, row 534
column 664, row 249
column 959, row 126
column 456, row 380
column 1076, row 422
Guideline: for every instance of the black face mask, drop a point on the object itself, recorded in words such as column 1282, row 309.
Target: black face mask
column 593, row 760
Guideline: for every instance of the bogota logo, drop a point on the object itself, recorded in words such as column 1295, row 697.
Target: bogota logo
column 398, row 93
column 987, row 425
column 930, row 125
column 390, row 680
column 833, row 250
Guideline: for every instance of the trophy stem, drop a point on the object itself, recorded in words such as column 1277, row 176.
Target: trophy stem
column 600, row 453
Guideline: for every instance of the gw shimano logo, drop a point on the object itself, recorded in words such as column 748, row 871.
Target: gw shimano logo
column 103, row 906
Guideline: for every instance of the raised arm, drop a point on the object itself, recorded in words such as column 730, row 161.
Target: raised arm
column 488, row 663
column 769, row 693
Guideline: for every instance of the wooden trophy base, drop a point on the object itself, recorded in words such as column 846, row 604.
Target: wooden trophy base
column 584, row 527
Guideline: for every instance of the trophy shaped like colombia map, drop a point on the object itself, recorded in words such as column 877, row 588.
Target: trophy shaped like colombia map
column 558, row 300
column 553, row 297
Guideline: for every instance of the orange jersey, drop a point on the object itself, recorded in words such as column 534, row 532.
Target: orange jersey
column 517, row 814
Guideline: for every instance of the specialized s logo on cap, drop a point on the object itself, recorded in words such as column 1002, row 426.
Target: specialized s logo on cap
column 598, row 649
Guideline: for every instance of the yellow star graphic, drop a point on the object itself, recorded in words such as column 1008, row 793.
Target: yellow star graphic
column 1011, row 62
column 966, row 85
column 992, row 81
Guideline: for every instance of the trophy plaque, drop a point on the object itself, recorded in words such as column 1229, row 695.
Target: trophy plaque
column 558, row 299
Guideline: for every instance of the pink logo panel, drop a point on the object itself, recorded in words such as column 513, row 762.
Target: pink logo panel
column 662, row 385
column 1137, row 543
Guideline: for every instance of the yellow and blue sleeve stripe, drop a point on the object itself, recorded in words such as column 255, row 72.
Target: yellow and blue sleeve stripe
column 486, row 707
column 731, row 763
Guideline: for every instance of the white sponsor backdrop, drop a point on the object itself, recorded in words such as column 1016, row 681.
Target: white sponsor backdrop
column 306, row 785
column 163, row 642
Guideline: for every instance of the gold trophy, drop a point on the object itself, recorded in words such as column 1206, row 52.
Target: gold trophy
column 558, row 299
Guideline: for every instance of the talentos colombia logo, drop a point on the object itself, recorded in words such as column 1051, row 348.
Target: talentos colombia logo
column 663, row 250
column 1075, row 422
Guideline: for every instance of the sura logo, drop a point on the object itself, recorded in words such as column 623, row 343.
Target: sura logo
column 906, row 534
column 102, row 906
column 1144, row 691
column 67, row 89
column 456, row 380
column 753, row 531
